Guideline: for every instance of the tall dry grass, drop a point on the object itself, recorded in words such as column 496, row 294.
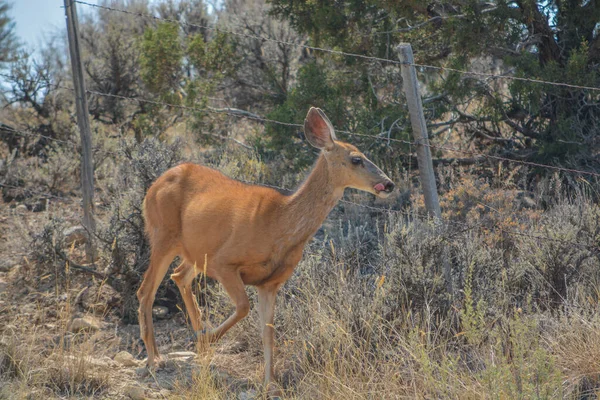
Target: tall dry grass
column 366, row 314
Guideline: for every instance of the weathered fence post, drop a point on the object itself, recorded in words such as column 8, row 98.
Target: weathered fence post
column 419, row 128
column 87, row 168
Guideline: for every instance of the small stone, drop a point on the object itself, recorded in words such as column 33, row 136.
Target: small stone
column 142, row 372
column 126, row 359
column 135, row 392
column 77, row 234
column 248, row 395
column 160, row 312
column 109, row 361
column 87, row 323
column 21, row 209
column 39, row 205
column 186, row 355
column 102, row 363
column 6, row 265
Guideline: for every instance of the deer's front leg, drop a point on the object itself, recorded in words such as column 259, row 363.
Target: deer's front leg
column 266, row 311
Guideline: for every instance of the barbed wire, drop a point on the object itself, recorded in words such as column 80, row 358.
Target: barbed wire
column 512, row 160
column 35, row 193
column 472, row 73
column 4, row 127
column 251, row 116
column 338, row 52
column 27, row 133
column 371, row 208
column 447, row 222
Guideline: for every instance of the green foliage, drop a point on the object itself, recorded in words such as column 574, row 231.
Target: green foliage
column 312, row 90
column 182, row 69
column 8, row 40
column 212, row 61
column 161, row 60
column 542, row 122
column 521, row 367
column 319, row 86
column 216, row 56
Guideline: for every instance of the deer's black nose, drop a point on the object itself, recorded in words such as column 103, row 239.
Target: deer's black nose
column 389, row 186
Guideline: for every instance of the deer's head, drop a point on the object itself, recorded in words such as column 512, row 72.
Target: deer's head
column 350, row 167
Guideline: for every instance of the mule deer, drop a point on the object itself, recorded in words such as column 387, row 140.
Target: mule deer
column 248, row 235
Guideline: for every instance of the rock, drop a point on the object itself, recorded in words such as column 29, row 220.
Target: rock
column 21, row 209
column 99, row 298
column 142, row 372
column 160, row 312
column 101, row 363
column 248, row 395
column 135, row 392
column 87, row 323
column 186, row 355
column 70, row 359
column 126, row 359
column 77, row 234
column 6, row 265
column 38, row 206
column 109, row 361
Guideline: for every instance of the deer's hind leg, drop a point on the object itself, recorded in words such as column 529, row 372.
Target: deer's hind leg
column 164, row 250
column 183, row 277
column 234, row 286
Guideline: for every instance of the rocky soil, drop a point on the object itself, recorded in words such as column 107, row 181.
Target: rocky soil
column 71, row 341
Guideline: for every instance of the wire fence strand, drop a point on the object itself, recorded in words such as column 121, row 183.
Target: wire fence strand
column 364, row 206
column 252, row 116
column 338, row 52
column 465, row 225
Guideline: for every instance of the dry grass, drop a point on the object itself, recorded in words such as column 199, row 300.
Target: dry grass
column 365, row 315
column 32, row 362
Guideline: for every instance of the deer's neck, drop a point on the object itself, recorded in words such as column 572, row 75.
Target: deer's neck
column 308, row 207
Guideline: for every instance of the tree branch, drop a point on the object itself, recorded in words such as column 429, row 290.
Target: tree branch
column 537, row 24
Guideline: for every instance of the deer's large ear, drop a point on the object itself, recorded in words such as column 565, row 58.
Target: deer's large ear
column 318, row 129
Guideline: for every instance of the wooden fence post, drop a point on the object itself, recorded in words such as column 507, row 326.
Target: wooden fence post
column 87, row 166
column 419, row 128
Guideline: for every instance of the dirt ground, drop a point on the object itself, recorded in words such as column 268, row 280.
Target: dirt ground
column 66, row 339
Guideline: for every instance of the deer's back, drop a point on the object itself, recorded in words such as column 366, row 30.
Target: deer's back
column 209, row 214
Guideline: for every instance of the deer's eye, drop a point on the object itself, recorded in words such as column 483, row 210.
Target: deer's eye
column 357, row 160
